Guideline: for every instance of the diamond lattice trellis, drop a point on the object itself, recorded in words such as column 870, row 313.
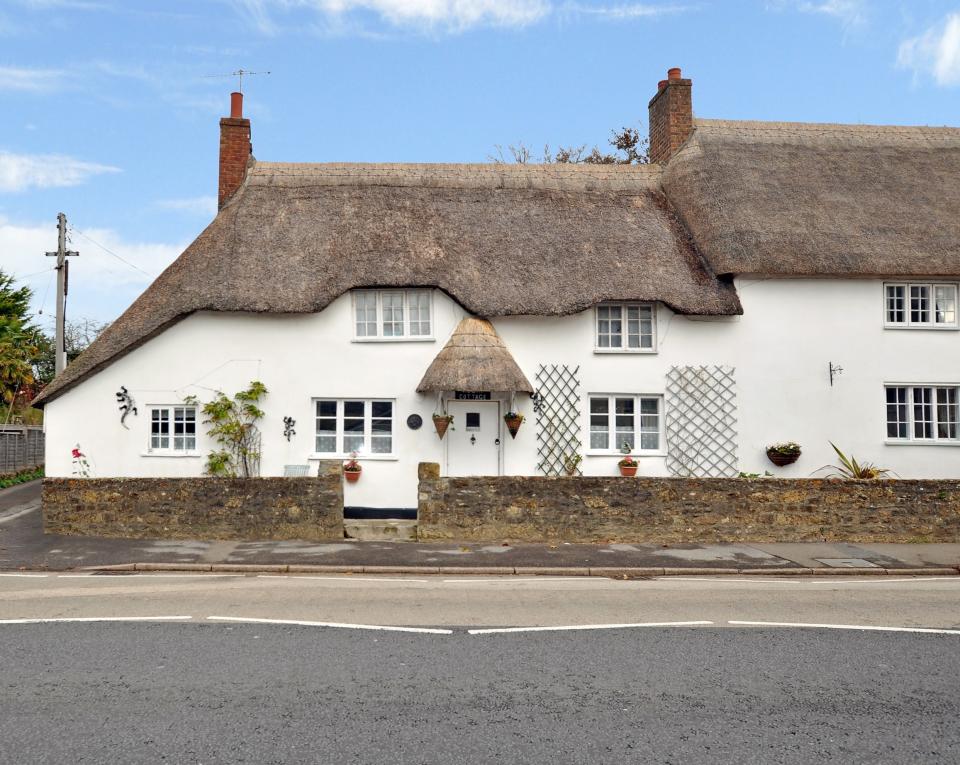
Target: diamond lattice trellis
column 557, row 406
column 701, row 422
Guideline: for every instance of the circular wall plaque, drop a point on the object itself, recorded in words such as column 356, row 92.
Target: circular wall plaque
column 414, row 421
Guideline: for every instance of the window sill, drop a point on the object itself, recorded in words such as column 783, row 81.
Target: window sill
column 625, row 352
column 905, row 442
column 394, row 340
column 621, row 455
column 924, row 327
column 360, row 457
column 158, row 453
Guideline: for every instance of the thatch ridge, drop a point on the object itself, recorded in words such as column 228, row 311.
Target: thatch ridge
column 474, row 359
column 802, row 199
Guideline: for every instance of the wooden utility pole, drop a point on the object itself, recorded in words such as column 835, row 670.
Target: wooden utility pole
column 60, row 356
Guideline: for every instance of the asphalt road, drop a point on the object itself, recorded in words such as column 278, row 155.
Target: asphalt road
column 198, row 682
column 228, row 693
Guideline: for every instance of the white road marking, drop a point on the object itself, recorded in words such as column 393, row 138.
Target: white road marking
column 37, row 576
column 18, row 514
column 338, row 625
column 146, row 575
column 511, row 579
column 830, row 580
column 346, row 578
column 848, row 627
column 571, row 627
column 98, row 619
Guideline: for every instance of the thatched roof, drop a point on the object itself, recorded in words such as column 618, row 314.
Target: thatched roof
column 500, row 239
column 474, row 359
column 820, row 200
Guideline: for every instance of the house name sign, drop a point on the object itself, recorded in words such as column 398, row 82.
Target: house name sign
column 470, row 395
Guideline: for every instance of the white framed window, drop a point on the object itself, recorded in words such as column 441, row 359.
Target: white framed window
column 392, row 314
column 349, row 425
column 626, row 328
column 173, row 429
column 618, row 419
column 923, row 413
column 918, row 306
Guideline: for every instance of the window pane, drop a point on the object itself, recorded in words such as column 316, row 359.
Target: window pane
column 392, row 313
column 650, row 423
column 160, row 429
column 353, row 425
column 639, row 326
column 919, row 304
column 897, row 413
column 382, row 408
column 366, row 313
column 947, row 413
column 184, row 428
column 896, row 310
column 609, row 326
column 353, row 408
column 624, row 408
column 418, row 303
column 945, row 304
column 326, row 421
column 922, row 413
column 599, row 423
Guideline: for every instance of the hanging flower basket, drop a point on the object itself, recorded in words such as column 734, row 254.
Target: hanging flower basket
column 352, row 469
column 441, row 422
column 513, row 421
column 628, row 467
column 783, row 454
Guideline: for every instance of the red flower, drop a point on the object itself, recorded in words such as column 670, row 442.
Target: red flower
column 76, row 454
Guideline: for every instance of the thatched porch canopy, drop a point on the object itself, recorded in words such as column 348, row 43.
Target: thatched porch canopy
column 474, row 359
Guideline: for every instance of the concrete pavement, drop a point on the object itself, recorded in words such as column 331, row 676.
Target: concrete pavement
column 24, row 546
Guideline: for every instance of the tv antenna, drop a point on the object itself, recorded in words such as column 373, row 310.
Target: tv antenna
column 239, row 74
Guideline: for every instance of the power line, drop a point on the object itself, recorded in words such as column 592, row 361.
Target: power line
column 108, row 251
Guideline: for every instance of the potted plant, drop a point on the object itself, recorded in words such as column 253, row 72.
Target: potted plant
column 513, row 420
column 628, row 465
column 352, row 469
column 571, row 463
column 783, row 454
column 441, row 422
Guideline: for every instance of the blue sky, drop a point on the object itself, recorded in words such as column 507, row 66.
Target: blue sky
column 111, row 116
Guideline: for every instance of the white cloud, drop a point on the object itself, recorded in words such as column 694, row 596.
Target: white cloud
column 848, row 11
column 622, row 10
column 19, row 172
column 101, row 285
column 936, row 52
column 31, row 80
column 206, row 205
column 428, row 15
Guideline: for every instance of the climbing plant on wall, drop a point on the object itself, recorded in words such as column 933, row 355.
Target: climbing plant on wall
column 233, row 425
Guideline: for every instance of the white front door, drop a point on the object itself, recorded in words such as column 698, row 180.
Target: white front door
column 473, row 444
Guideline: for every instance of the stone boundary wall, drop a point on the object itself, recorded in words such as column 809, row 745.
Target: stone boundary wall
column 677, row 510
column 198, row 508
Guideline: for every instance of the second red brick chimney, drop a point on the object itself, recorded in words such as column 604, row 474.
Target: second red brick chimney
column 671, row 116
column 235, row 150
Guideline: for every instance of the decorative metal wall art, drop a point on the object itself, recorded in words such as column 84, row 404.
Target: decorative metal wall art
column 288, row 431
column 127, row 404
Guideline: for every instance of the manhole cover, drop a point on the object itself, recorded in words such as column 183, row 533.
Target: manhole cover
column 847, row 563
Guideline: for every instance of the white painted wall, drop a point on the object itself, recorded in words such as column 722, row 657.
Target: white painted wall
column 781, row 347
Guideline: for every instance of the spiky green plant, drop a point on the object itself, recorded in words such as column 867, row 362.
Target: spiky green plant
column 852, row 470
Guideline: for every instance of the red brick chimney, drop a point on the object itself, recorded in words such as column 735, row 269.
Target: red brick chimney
column 670, row 115
column 235, row 149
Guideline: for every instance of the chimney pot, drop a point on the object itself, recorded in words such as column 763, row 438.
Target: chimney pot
column 674, row 73
column 236, row 106
column 661, row 85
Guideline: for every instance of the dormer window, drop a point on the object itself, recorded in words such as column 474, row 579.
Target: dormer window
column 625, row 328
column 920, row 306
column 392, row 315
